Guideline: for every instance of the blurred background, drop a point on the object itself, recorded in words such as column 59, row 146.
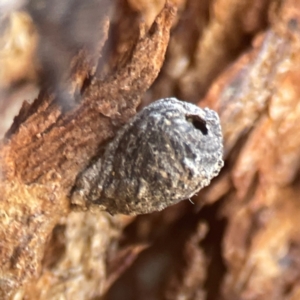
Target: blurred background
column 241, row 237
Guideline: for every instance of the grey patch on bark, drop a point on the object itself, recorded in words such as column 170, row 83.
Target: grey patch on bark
column 166, row 153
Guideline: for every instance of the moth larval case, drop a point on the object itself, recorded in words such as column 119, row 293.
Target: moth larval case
column 166, row 153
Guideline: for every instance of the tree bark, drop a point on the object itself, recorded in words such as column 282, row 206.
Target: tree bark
column 240, row 237
column 47, row 147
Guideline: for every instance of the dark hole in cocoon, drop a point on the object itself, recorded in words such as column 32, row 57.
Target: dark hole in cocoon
column 198, row 123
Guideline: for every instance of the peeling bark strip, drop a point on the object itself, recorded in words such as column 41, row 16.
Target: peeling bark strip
column 52, row 141
column 46, row 149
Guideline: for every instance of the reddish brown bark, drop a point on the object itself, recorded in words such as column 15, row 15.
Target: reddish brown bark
column 48, row 146
column 240, row 240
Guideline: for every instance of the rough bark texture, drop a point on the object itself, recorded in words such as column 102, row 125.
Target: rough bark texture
column 240, row 239
column 48, row 145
